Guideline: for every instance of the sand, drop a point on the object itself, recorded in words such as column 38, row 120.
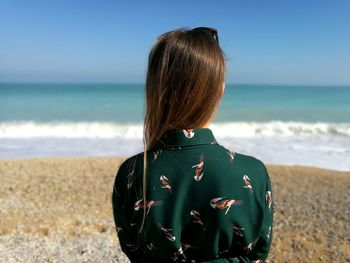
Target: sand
column 59, row 210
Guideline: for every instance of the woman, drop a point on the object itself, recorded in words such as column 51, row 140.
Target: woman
column 187, row 198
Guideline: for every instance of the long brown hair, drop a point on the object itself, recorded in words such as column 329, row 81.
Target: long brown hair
column 185, row 77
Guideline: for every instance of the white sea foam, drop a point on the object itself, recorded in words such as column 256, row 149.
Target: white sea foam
column 324, row 145
column 31, row 129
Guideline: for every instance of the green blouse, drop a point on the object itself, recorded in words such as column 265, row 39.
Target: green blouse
column 205, row 203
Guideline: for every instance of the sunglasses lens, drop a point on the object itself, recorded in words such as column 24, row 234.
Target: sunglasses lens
column 213, row 32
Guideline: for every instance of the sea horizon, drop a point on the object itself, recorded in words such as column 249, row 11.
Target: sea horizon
column 77, row 82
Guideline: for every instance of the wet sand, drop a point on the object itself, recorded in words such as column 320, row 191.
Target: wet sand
column 59, row 210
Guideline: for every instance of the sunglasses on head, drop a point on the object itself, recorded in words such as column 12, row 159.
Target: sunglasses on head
column 212, row 31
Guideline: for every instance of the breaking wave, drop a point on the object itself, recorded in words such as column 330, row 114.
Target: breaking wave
column 55, row 129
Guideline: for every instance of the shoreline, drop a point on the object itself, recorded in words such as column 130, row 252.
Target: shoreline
column 36, row 158
column 58, row 208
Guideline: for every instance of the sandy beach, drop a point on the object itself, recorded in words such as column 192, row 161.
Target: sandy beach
column 59, row 210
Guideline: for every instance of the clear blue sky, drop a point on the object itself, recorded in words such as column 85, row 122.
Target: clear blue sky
column 291, row 42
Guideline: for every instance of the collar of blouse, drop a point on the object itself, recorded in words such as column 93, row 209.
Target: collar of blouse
column 176, row 139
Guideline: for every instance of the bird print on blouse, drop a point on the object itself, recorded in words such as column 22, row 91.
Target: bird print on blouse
column 156, row 153
column 268, row 232
column 179, row 254
column 131, row 174
column 251, row 245
column 168, row 232
column 231, row 154
column 189, row 133
column 199, row 171
column 196, row 217
column 238, row 230
column 186, row 246
column 269, row 198
column 247, row 183
column 165, row 183
column 118, row 228
column 131, row 246
column 151, row 246
column 219, row 203
column 224, row 202
column 139, row 204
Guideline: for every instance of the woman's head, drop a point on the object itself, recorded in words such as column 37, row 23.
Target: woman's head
column 185, row 78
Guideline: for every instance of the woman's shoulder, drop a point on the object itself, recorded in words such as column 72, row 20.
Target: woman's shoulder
column 244, row 160
column 127, row 165
column 127, row 170
column 131, row 161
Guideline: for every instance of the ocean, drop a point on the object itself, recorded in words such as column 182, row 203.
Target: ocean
column 279, row 124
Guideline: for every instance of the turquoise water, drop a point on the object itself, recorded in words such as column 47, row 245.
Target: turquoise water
column 124, row 103
column 306, row 125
